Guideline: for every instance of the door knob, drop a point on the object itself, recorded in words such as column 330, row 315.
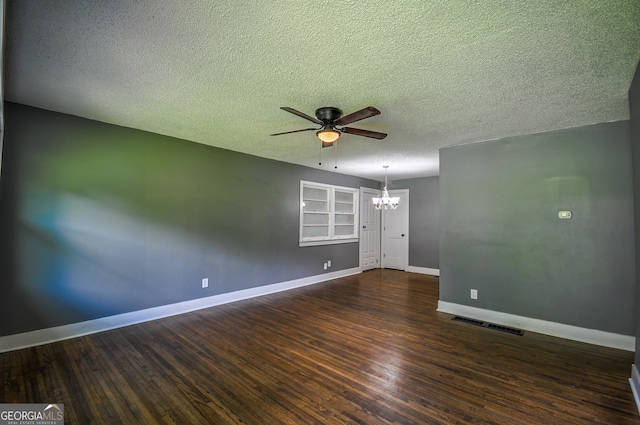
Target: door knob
column 403, row 235
column 364, row 227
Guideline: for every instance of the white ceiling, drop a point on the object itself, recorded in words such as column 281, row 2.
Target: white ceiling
column 216, row 72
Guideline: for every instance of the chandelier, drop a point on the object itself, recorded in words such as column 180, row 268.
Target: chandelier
column 386, row 201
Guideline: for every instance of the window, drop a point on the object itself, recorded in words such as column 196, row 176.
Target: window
column 328, row 214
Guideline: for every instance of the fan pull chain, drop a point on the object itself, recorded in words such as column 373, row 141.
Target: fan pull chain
column 320, row 155
column 335, row 149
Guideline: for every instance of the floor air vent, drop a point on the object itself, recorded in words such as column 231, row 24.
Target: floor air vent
column 488, row 325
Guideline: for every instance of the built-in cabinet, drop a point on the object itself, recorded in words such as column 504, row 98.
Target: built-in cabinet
column 328, row 214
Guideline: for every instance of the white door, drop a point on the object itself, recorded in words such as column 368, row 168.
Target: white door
column 369, row 230
column 395, row 233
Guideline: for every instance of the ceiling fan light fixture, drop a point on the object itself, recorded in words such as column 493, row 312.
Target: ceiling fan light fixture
column 328, row 136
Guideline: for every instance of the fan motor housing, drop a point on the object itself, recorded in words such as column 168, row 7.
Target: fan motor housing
column 328, row 114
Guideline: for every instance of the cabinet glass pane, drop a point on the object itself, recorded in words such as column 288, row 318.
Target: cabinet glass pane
column 344, row 230
column 315, row 206
column 315, row 193
column 344, row 196
column 316, row 219
column 344, row 208
column 315, row 231
column 344, row 218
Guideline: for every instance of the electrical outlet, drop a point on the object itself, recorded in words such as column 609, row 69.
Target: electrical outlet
column 205, row 282
column 329, row 263
column 474, row 294
column 325, row 266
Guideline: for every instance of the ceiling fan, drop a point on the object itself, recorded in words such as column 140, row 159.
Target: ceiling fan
column 333, row 121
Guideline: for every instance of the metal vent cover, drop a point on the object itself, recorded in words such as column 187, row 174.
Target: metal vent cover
column 488, row 325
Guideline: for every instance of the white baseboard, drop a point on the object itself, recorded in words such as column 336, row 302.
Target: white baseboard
column 59, row 333
column 591, row 336
column 634, row 381
column 424, row 270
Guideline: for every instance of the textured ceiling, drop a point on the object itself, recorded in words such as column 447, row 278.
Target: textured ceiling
column 216, row 72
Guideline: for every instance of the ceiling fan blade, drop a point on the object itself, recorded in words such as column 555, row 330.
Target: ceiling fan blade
column 365, row 133
column 367, row 112
column 294, row 131
column 301, row 114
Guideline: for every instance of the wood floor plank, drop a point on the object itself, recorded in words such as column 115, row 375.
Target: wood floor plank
column 365, row 349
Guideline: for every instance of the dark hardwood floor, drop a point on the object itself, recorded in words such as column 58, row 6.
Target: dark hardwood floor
column 366, row 349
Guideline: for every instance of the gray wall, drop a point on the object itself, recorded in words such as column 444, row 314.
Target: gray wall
column 424, row 220
column 97, row 220
column 634, row 107
column 500, row 232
